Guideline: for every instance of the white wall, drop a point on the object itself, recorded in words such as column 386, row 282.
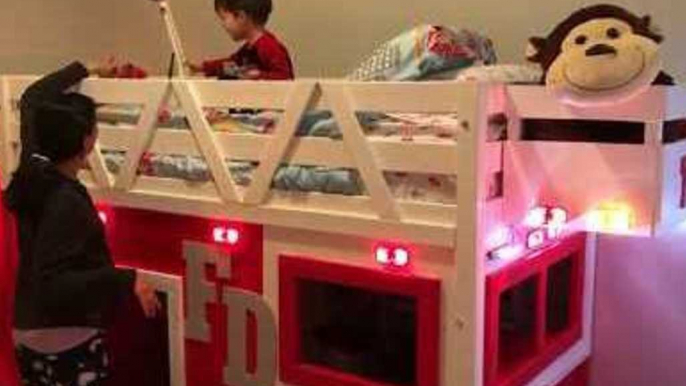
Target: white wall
column 326, row 38
column 38, row 35
column 641, row 312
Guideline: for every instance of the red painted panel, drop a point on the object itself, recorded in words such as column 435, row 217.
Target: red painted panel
column 8, row 262
column 154, row 241
column 542, row 349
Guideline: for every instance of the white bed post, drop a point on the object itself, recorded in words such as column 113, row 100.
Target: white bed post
column 101, row 176
column 206, row 140
column 298, row 101
column 653, row 133
column 342, row 107
column 465, row 300
column 5, row 125
column 145, row 132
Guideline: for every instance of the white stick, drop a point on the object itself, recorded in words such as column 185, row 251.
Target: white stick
column 173, row 34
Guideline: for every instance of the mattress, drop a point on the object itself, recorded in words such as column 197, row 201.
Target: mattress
column 341, row 181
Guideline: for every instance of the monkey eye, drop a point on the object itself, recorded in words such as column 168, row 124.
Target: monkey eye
column 581, row 40
column 613, row 33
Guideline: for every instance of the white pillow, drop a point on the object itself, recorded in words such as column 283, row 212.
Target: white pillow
column 505, row 73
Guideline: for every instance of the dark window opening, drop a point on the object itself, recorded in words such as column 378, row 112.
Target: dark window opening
column 357, row 331
column 496, row 187
column 674, row 131
column 556, row 130
column 517, row 342
column 558, row 309
column 497, row 127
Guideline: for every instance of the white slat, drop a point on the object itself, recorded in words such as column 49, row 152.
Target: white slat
column 537, row 102
column 356, row 143
column 360, row 206
column 402, row 97
column 6, row 148
column 97, row 164
column 172, row 199
column 142, row 135
column 395, row 155
column 202, row 131
column 243, row 94
column 298, row 101
column 123, row 91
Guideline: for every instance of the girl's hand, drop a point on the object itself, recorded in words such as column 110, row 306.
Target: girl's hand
column 194, row 68
column 147, row 298
column 106, row 68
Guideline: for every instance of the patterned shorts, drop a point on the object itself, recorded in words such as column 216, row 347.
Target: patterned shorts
column 84, row 365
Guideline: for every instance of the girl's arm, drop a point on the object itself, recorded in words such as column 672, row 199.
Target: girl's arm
column 54, row 84
column 46, row 88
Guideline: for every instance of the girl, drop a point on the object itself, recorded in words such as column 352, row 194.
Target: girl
column 67, row 284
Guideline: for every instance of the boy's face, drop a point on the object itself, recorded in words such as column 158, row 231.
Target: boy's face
column 236, row 24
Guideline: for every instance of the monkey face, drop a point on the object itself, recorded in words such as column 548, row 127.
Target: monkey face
column 602, row 55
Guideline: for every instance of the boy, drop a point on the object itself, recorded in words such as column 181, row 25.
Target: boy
column 262, row 55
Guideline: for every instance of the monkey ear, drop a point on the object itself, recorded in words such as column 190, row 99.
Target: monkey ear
column 654, row 29
column 535, row 49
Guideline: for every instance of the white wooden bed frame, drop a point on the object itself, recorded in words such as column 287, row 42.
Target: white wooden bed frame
column 641, row 175
column 374, row 215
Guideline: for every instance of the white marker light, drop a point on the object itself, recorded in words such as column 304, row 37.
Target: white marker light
column 383, row 255
column 401, row 257
column 537, row 217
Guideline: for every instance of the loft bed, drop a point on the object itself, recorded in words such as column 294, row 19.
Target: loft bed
column 500, row 150
column 373, row 160
column 384, row 161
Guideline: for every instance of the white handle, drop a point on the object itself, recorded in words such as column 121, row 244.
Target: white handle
column 173, row 34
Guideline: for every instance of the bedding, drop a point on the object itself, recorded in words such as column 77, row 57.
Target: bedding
column 505, row 73
column 313, row 124
column 174, row 118
column 290, row 178
column 423, row 52
column 411, row 187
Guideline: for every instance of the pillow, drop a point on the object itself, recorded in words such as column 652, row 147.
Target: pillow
column 506, row 73
column 423, row 52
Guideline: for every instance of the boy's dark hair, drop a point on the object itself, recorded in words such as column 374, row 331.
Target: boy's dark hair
column 257, row 10
column 62, row 124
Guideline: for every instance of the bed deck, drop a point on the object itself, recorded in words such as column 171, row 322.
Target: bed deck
column 533, row 171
